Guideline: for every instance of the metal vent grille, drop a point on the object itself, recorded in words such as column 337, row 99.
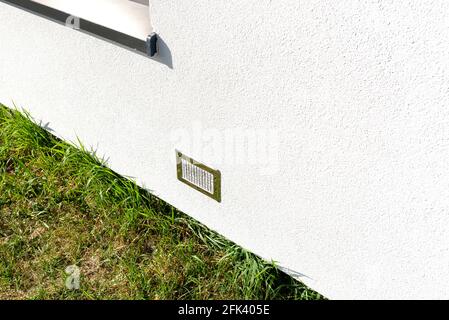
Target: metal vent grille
column 199, row 176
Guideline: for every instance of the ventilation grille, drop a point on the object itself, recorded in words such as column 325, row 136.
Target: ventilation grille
column 199, row 176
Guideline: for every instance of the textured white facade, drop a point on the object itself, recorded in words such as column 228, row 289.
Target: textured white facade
column 353, row 99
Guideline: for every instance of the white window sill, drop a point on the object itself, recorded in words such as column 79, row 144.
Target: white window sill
column 122, row 22
column 129, row 17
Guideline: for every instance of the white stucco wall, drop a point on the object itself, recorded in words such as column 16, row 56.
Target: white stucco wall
column 353, row 96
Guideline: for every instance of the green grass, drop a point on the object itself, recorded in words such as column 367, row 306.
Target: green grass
column 61, row 206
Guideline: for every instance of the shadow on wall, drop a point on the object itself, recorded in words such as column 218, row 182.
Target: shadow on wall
column 164, row 55
column 294, row 274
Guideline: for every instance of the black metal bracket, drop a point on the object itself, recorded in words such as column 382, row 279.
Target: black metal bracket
column 152, row 47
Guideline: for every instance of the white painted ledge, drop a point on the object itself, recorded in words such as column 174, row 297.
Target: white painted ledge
column 129, row 17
